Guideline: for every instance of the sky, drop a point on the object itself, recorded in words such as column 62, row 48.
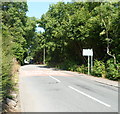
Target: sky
column 38, row 7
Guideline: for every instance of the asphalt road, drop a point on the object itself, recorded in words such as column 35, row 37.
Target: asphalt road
column 48, row 90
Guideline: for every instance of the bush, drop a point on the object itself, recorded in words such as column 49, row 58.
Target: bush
column 99, row 69
column 73, row 67
column 68, row 65
column 112, row 70
column 82, row 69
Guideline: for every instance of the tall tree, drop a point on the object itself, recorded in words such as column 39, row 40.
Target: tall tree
column 70, row 27
column 14, row 18
column 13, row 41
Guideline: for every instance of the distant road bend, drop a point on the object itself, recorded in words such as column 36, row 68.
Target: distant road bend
column 45, row 89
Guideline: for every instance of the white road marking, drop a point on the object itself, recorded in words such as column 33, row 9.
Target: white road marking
column 90, row 96
column 55, row 79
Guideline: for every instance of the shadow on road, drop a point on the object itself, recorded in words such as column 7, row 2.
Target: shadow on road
column 43, row 66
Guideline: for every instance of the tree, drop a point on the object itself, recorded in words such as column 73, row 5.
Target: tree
column 16, row 13
column 108, row 13
column 70, row 27
column 13, row 41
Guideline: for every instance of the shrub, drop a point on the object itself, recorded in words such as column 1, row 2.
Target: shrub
column 73, row 67
column 99, row 69
column 112, row 70
column 82, row 69
column 68, row 65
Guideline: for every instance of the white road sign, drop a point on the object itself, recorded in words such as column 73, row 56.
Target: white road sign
column 87, row 52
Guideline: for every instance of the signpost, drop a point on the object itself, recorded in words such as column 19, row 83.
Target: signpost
column 89, row 53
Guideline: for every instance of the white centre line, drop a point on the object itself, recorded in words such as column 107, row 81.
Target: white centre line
column 90, row 96
column 55, row 79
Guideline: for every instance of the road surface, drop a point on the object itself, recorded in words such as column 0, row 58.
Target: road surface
column 45, row 89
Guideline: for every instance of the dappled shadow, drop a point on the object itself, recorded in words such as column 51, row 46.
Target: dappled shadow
column 36, row 65
column 42, row 66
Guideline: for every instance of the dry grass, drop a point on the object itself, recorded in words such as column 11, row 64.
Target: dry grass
column 15, row 71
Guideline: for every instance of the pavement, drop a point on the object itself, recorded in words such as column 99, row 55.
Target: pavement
column 98, row 79
column 45, row 89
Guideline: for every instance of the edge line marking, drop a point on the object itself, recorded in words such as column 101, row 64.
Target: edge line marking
column 90, row 96
column 55, row 79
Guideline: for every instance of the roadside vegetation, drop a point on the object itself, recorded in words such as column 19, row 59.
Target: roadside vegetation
column 72, row 27
column 16, row 29
column 69, row 28
column 100, row 69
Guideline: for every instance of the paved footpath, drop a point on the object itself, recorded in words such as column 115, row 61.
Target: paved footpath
column 45, row 89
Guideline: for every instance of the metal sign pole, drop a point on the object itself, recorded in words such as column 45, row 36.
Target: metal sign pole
column 89, row 53
column 88, row 65
column 91, row 63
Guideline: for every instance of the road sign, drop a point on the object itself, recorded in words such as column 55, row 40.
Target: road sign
column 87, row 52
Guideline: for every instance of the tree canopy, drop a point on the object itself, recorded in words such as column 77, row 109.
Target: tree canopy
column 13, row 39
column 70, row 27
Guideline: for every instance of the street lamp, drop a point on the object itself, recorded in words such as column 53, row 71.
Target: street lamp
column 42, row 31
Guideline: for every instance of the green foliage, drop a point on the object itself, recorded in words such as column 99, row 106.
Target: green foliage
column 6, row 62
column 99, row 69
column 14, row 21
column 70, row 65
column 112, row 70
column 13, row 41
column 106, row 70
column 71, row 27
column 66, row 65
column 82, row 69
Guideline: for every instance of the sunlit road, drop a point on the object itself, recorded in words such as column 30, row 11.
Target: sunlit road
column 48, row 90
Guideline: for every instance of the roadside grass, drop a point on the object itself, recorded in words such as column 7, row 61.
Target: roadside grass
column 12, row 87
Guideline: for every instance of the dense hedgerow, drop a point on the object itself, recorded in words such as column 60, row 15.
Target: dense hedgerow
column 100, row 69
column 13, row 41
